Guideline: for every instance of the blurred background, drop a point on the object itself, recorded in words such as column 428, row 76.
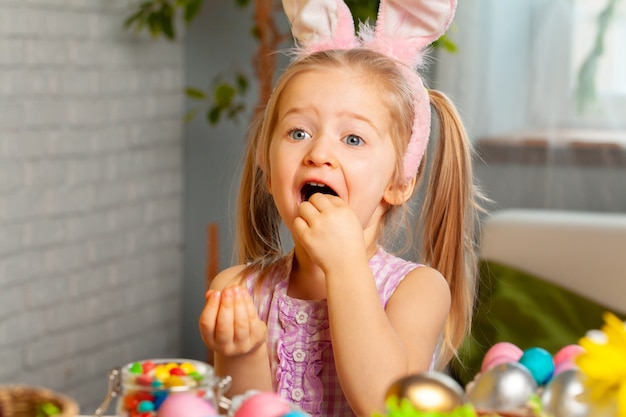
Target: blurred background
column 120, row 150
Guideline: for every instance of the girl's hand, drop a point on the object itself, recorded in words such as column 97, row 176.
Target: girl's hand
column 329, row 231
column 229, row 323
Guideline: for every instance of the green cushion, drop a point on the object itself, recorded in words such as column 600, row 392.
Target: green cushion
column 517, row 307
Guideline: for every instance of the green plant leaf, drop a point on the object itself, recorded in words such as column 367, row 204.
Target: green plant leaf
column 135, row 19
column 235, row 111
column 213, row 115
column 154, row 24
column 224, row 94
column 189, row 116
column 167, row 21
column 242, row 3
column 195, row 93
column 192, row 9
column 363, row 10
column 242, row 83
column 445, row 43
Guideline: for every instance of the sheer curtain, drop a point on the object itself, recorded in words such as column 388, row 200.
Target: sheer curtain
column 515, row 80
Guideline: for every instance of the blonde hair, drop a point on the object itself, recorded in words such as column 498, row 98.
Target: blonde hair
column 450, row 209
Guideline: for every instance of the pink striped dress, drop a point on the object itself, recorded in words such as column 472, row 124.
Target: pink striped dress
column 298, row 336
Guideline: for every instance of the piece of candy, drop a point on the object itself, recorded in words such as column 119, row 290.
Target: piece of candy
column 188, row 368
column 177, row 371
column 174, row 381
column 145, row 406
column 145, row 380
column 147, row 366
column 136, row 368
column 161, row 373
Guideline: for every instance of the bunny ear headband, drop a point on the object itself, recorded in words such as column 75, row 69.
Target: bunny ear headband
column 403, row 30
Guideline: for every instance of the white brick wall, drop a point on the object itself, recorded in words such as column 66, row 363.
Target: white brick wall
column 90, row 195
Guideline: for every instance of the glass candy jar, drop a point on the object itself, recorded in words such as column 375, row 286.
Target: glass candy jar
column 142, row 386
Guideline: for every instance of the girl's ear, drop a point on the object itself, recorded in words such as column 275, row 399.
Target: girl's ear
column 396, row 194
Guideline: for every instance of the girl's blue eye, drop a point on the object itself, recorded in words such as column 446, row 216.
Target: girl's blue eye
column 353, row 140
column 298, row 134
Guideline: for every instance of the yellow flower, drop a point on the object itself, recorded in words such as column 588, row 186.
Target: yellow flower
column 604, row 364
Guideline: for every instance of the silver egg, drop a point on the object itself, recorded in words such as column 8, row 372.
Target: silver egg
column 562, row 395
column 504, row 387
column 428, row 391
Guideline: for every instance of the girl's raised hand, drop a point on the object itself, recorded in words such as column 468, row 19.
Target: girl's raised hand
column 230, row 324
column 330, row 231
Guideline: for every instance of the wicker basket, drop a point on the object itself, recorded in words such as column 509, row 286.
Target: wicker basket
column 23, row 401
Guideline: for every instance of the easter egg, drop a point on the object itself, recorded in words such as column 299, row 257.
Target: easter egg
column 185, row 404
column 501, row 352
column 564, row 366
column 565, row 358
column 262, row 404
column 504, row 387
column 295, row 413
column 561, row 396
column 429, row 391
column 540, row 364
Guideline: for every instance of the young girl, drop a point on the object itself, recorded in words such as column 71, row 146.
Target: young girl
column 337, row 153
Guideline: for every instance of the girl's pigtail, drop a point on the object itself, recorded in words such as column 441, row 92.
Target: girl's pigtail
column 258, row 221
column 449, row 218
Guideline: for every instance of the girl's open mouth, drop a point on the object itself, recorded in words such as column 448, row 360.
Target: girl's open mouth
column 311, row 188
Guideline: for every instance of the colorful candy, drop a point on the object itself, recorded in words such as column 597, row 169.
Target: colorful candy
column 147, row 384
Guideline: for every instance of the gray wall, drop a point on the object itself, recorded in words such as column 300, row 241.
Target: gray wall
column 90, row 195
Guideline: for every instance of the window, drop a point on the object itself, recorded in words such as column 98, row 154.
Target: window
column 516, row 72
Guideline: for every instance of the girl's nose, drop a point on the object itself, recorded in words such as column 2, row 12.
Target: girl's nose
column 320, row 153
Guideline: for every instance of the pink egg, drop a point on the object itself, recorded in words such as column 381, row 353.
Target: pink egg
column 564, row 366
column 263, row 404
column 186, row 404
column 568, row 353
column 501, row 352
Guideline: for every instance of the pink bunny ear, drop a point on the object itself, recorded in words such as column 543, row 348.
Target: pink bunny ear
column 321, row 24
column 405, row 27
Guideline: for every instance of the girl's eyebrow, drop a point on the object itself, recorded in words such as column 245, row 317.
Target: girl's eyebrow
column 362, row 118
column 345, row 113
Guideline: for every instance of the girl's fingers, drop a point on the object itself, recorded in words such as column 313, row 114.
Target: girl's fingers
column 257, row 327
column 230, row 323
column 225, row 319
column 208, row 317
column 324, row 201
column 308, row 211
column 241, row 318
